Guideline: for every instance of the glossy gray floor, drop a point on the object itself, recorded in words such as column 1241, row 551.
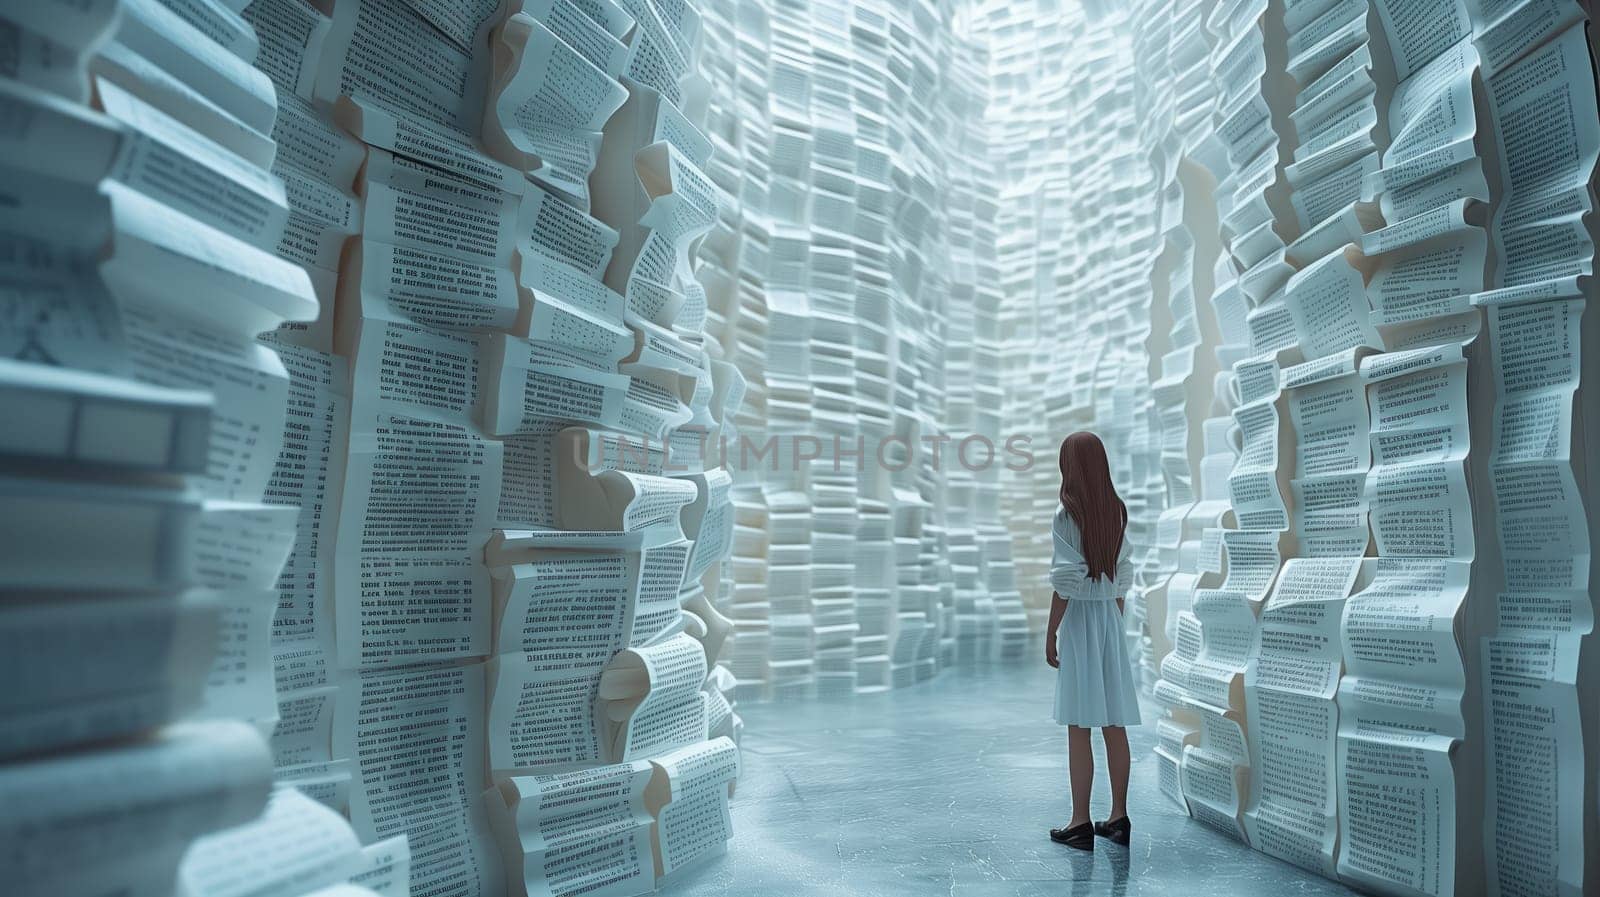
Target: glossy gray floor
column 949, row 788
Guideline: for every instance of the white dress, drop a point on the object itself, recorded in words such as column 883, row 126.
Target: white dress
column 1094, row 685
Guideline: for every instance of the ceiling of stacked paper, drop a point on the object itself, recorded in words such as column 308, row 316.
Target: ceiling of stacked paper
column 428, row 421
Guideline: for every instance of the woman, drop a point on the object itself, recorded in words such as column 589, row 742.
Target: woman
column 1094, row 682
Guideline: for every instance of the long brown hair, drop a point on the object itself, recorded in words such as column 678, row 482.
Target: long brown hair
column 1091, row 500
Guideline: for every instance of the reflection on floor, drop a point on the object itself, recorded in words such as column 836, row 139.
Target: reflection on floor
column 949, row 788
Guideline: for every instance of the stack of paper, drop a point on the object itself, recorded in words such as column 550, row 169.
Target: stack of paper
column 1535, row 62
column 999, row 580
column 740, row 124
column 1191, row 268
column 608, row 564
column 791, row 664
column 913, row 310
column 152, row 796
column 1290, row 685
column 1224, row 181
column 579, row 831
column 972, row 459
column 1240, row 485
column 1185, row 682
column 1339, row 62
column 1292, row 717
column 1071, row 159
column 874, row 599
column 789, row 318
column 721, row 258
column 130, row 642
column 830, row 286
column 750, row 607
column 938, row 582
column 1419, row 271
column 143, row 227
column 426, row 296
column 688, row 796
column 988, row 449
column 317, row 163
column 873, row 544
column 297, row 846
column 853, row 284
column 915, row 625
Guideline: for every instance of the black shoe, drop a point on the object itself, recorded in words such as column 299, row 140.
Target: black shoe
column 1079, row 836
column 1117, row 831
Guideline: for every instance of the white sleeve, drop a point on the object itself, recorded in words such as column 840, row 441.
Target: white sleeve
column 1124, row 566
column 1068, row 572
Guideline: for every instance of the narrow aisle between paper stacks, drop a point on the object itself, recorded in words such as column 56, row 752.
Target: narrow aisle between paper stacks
column 949, row 787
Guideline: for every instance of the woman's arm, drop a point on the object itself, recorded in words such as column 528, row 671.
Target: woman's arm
column 1058, row 609
column 1124, row 572
column 1067, row 573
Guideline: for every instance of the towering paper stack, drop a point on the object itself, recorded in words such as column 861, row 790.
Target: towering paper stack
column 745, row 338
column 1407, row 700
column 1038, row 122
column 1225, row 195
column 1196, row 450
column 790, row 318
column 874, row 549
column 427, row 295
column 721, row 258
column 845, row 568
column 148, row 245
column 1541, row 338
column 318, row 164
column 830, row 285
column 603, row 700
column 986, row 449
column 1184, row 606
